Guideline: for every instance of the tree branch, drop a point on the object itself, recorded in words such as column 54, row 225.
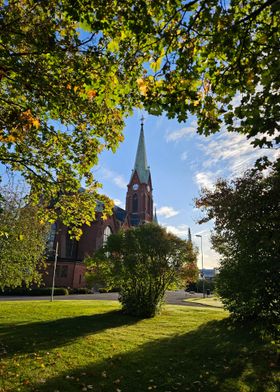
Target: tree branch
column 255, row 13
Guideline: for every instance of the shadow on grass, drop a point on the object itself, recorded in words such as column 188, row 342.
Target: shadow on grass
column 27, row 338
column 216, row 357
column 200, row 305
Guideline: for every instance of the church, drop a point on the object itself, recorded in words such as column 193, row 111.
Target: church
column 70, row 271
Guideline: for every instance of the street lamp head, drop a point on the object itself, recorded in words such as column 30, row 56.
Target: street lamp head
column 198, row 235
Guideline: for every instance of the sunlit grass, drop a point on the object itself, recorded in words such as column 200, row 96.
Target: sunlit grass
column 72, row 346
column 210, row 301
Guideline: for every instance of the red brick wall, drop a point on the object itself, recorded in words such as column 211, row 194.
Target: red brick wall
column 90, row 241
column 68, row 274
column 145, row 199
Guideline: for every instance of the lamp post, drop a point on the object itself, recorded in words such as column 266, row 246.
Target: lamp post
column 54, row 270
column 200, row 236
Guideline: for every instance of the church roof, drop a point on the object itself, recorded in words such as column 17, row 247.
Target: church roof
column 120, row 213
column 141, row 165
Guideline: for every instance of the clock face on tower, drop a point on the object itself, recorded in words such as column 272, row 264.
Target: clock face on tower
column 135, row 187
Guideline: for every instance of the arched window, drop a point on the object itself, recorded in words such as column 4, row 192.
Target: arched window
column 107, row 232
column 135, row 203
column 149, row 205
column 71, row 247
column 50, row 240
column 144, row 202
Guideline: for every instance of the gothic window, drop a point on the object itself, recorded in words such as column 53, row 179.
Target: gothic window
column 50, row 240
column 71, row 247
column 144, row 202
column 57, row 272
column 135, row 203
column 64, row 271
column 107, row 232
column 149, row 205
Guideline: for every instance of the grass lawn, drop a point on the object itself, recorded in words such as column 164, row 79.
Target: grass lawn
column 210, row 301
column 69, row 346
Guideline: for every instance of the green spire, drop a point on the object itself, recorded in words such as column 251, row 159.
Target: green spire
column 189, row 235
column 141, row 165
column 155, row 219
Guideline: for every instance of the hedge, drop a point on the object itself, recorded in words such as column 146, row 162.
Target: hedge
column 38, row 291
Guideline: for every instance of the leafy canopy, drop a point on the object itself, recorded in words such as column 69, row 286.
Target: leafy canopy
column 219, row 61
column 246, row 213
column 143, row 262
column 71, row 71
column 22, row 241
column 64, row 94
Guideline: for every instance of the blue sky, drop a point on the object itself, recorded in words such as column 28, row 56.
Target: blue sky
column 181, row 161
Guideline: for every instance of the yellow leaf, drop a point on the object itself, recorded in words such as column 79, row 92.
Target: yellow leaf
column 10, row 138
column 155, row 66
column 91, row 94
column 123, row 35
column 113, row 45
column 35, row 122
column 142, row 86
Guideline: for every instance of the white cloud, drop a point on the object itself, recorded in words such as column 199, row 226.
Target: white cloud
column 236, row 100
column 167, row 212
column 233, row 150
column 118, row 203
column 210, row 257
column 181, row 133
column 206, row 179
column 116, row 178
column 120, row 181
column 180, row 231
column 184, row 156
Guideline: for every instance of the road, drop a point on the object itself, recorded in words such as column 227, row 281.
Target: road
column 171, row 297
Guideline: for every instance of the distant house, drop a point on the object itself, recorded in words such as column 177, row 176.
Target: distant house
column 209, row 274
column 71, row 253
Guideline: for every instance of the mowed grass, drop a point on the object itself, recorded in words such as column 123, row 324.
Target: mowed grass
column 210, row 301
column 69, row 346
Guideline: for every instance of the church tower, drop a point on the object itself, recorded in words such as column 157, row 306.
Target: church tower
column 139, row 198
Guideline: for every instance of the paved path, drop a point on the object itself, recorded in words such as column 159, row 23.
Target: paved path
column 171, row 297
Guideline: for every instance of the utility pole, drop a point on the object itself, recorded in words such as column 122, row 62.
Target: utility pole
column 203, row 281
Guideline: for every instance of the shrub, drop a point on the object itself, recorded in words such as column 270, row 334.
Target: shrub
column 102, row 290
column 45, row 291
column 40, row 291
column 81, row 290
column 142, row 262
column 247, row 235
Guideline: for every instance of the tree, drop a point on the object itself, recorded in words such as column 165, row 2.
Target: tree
column 247, row 235
column 64, row 94
column 22, row 242
column 219, row 61
column 143, row 262
column 71, row 71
